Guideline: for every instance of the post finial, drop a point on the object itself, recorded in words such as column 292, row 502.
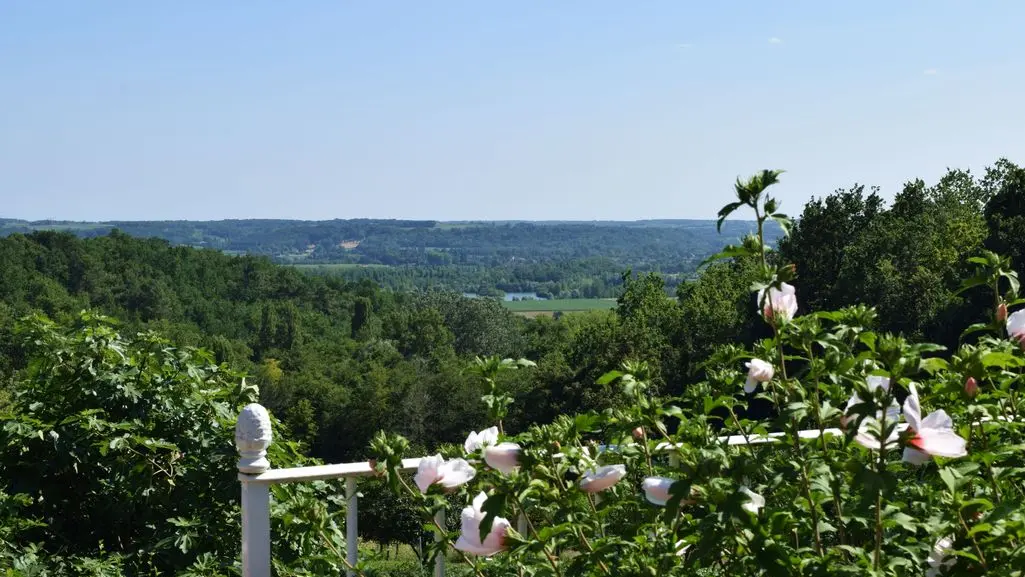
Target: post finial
column 252, row 437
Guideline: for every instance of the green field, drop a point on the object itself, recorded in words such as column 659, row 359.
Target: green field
column 337, row 267
column 564, row 305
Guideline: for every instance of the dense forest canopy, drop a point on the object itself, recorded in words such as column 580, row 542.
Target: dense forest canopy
column 337, row 360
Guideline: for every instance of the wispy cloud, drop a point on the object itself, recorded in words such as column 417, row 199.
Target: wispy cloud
column 685, row 45
column 775, row 40
column 930, row 72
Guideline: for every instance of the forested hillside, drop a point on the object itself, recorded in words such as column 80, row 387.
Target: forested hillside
column 323, row 348
column 563, row 259
column 337, row 361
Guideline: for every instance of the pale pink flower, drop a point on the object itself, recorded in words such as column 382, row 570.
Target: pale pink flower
column 755, row 501
column 933, row 436
column 1001, row 312
column 477, row 441
column 594, row 481
column 1016, row 325
column 873, row 382
column 758, row 371
column 469, row 535
column 971, row 387
column 448, row 474
column 780, row 304
column 504, row 457
column 938, row 558
column 868, row 432
column 656, row 489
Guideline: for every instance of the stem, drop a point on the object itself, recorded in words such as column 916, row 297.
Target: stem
column 442, row 531
column 594, row 509
column 647, row 453
column 826, row 456
column 673, row 528
column 587, row 545
column 877, row 554
column 806, row 487
column 879, row 531
column 338, row 554
column 996, row 305
column 743, row 432
column 782, row 358
column 533, row 532
column 761, row 238
column 805, row 482
column 579, row 531
column 982, row 558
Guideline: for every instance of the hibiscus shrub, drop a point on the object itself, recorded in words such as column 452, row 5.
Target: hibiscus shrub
column 882, row 456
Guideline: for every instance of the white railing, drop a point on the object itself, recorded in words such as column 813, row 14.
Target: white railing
column 253, row 436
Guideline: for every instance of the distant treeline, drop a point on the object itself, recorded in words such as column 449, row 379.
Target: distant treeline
column 563, row 259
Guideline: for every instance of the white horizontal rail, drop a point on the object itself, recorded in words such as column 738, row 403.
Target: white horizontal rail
column 253, row 436
column 320, row 472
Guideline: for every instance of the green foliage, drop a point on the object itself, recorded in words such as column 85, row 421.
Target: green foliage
column 118, row 457
column 338, row 360
column 686, row 500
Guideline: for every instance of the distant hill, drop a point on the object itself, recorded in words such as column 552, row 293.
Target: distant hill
column 671, row 245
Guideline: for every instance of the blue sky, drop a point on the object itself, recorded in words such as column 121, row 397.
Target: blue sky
column 479, row 109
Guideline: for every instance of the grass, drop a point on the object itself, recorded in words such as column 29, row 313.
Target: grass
column 536, row 307
column 401, row 561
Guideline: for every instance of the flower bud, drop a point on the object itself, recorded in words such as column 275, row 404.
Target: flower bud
column 971, row 387
column 1001, row 312
column 639, row 433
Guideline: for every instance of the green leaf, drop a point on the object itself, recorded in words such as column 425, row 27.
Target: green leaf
column 1012, row 277
column 784, row 223
column 587, row 422
column 933, row 365
column 920, row 348
column 672, row 411
column 980, row 528
column 972, row 282
column 678, row 491
column 731, row 251
column 869, row 340
column 493, row 507
column 725, row 212
column 609, row 377
column 975, row 328
column 950, row 479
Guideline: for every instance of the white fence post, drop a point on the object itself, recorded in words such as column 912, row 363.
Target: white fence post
column 439, row 561
column 351, row 524
column 252, row 437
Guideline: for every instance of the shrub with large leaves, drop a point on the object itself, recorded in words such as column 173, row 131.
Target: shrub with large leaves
column 118, row 451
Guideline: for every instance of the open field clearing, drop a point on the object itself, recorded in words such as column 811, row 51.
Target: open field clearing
column 533, row 308
column 338, row 267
